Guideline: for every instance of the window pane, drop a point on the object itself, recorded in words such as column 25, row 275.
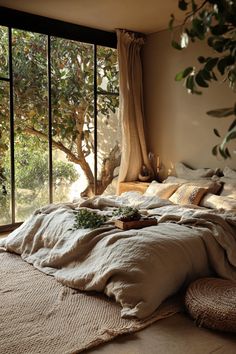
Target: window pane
column 5, row 174
column 4, row 52
column 31, row 121
column 107, row 69
column 73, row 117
column 109, row 141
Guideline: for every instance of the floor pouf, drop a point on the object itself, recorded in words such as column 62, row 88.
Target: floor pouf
column 211, row 302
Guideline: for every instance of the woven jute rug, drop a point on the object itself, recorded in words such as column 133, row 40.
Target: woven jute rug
column 39, row 315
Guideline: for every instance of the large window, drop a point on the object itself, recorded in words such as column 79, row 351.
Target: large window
column 59, row 127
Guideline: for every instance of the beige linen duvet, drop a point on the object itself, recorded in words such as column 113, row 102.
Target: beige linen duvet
column 139, row 268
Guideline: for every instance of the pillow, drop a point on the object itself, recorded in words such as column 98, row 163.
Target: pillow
column 229, row 173
column 183, row 171
column 229, row 187
column 188, row 194
column 218, row 202
column 163, row 191
column 213, row 186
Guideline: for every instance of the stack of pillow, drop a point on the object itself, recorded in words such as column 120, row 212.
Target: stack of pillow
column 229, row 183
column 198, row 187
column 227, row 198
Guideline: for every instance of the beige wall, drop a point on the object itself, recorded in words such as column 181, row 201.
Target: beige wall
column 177, row 125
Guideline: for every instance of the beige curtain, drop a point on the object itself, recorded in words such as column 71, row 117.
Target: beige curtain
column 134, row 150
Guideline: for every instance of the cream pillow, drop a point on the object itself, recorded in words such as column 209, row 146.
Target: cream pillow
column 212, row 185
column 184, row 171
column 229, row 173
column 218, row 202
column 163, row 191
column 229, row 187
column 188, row 194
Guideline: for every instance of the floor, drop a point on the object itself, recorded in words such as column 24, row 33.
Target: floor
column 174, row 335
column 177, row 334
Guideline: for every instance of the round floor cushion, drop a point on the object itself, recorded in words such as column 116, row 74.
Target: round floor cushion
column 212, row 303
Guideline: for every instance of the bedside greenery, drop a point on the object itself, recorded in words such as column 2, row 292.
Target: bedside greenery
column 85, row 219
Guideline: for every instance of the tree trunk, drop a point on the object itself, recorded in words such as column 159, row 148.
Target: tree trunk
column 109, row 163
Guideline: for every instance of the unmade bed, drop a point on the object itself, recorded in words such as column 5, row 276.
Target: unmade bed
column 139, row 269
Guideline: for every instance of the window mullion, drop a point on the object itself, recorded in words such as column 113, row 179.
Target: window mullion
column 95, row 119
column 12, row 149
column 50, row 121
column 4, row 79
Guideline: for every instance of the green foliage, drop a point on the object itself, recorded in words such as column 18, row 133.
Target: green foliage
column 127, row 214
column 212, row 21
column 31, row 167
column 4, row 52
column 85, row 219
column 72, row 86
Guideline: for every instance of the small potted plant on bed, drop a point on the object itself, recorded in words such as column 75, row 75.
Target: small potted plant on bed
column 127, row 214
column 130, row 218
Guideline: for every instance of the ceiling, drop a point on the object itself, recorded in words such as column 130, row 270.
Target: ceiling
column 146, row 16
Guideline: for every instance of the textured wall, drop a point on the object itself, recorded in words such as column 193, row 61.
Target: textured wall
column 177, row 125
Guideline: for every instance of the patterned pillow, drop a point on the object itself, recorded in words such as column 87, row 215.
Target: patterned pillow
column 213, row 186
column 163, row 191
column 188, row 194
column 184, row 171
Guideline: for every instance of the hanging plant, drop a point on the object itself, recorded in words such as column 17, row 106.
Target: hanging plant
column 212, row 21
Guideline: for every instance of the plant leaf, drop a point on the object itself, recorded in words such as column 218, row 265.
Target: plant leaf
column 231, row 135
column 184, row 73
column 216, row 132
column 206, row 75
column 227, row 152
column 222, row 152
column 190, row 83
column 213, row 75
column 176, row 45
column 214, row 150
column 211, row 63
column 199, row 28
column 201, row 59
column 218, row 43
column 170, row 26
column 200, row 80
column 183, row 5
column 232, row 126
column 221, row 113
column 224, row 63
column 218, row 30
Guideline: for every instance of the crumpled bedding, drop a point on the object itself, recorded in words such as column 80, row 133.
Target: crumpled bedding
column 138, row 268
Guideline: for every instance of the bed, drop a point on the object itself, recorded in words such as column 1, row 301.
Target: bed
column 138, row 268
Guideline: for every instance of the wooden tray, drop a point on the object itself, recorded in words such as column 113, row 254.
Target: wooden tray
column 136, row 224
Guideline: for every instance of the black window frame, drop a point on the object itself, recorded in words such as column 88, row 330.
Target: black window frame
column 14, row 19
